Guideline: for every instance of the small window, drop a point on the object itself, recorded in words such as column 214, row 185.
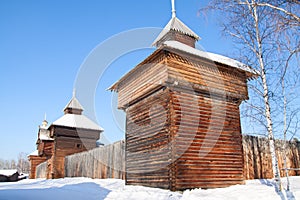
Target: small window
column 78, row 146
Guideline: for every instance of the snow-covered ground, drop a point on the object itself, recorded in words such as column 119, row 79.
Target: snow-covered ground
column 91, row 189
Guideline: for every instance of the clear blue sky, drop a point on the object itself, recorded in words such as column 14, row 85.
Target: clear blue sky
column 44, row 43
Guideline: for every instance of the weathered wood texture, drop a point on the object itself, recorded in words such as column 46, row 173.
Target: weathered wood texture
column 174, row 141
column 206, row 76
column 183, row 122
column 167, row 69
column 76, row 132
column 101, row 162
column 109, row 161
column 45, row 148
column 173, row 35
column 151, row 76
column 41, row 170
column 34, row 162
column 65, row 146
column 148, row 147
column 183, row 126
column 69, row 141
column 258, row 158
column 206, row 140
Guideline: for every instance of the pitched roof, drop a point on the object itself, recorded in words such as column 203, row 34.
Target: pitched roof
column 74, row 104
column 176, row 25
column 210, row 56
column 77, row 121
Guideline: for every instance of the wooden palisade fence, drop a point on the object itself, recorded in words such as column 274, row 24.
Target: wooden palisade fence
column 257, row 157
column 41, row 170
column 102, row 162
column 109, row 161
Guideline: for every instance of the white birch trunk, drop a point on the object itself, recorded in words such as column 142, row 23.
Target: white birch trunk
column 259, row 54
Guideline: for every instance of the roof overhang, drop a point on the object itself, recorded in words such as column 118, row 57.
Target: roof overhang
column 179, row 48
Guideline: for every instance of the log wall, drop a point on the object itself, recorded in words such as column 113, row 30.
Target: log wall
column 69, row 141
column 65, row 146
column 173, row 141
column 45, row 148
column 76, row 132
column 207, row 142
column 167, row 68
column 173, row 35
column 258, row 158
column 101, row 162
column 206, row 75
column 168, row 131
column 148, row 146
column 151, row 76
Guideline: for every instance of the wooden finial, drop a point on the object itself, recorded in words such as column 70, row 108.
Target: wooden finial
column 173, row 9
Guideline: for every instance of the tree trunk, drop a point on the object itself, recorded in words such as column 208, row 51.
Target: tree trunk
column 259, row 54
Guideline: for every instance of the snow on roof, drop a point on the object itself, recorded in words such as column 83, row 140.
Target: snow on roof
column 176, row 25
column 35, row 153
column 44, row 134
column 74, row 104
column 210, row 56
column 77, row 121
column 45, row 137
column 8, row 172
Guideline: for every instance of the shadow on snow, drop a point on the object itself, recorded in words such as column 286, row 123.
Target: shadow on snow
column 80, row 191
column 289, row 194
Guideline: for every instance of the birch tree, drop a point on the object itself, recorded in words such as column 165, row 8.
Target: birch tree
column 263, row 31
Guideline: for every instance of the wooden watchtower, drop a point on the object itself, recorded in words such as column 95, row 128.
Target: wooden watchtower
column 72, row 133
column 182, row 114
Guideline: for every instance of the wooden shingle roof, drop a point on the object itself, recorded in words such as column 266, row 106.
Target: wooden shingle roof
column 176, row 25
column 74, row 104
